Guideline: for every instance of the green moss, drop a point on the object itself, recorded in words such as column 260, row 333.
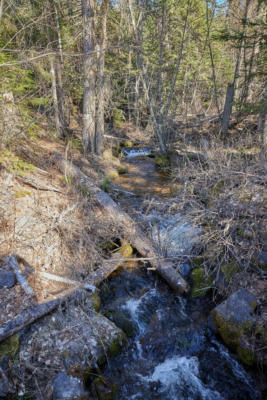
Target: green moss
column 116, row 345
column 246, row 355
column 197, row 261
column 15, row 164
column 232, row 333
column 67, row 180
column 161, row 161
column 106, row 184
column 112, row 173
column 9, row 347
column 21, row 193
column 96, row 301
column 126, row 250
column 75, row 143
column 229, row 271
column 201, row 282
column 122, row 170
column 118, row 117
column 127, row 143
column 105, row 390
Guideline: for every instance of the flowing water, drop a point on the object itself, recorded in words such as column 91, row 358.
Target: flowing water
column 171, row 353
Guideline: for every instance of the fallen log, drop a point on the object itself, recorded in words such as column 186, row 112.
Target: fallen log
column 33, row 313
column 77, row 290
column 132, row 231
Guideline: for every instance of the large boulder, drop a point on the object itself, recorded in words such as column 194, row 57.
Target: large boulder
column 235, row 321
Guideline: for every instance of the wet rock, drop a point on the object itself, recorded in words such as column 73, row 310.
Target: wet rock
column 7, row 279
column 67, row 387
column 172, row 233
column 122, row 321
column 234, row 320
column 185, row 269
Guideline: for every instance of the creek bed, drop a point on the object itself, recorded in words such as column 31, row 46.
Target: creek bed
column 171, row 353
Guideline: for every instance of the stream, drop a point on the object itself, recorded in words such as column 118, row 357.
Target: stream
column 171, row 352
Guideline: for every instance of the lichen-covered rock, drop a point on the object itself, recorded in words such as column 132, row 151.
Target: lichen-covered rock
column 7, row 279
column 234, row 320
column 201, row 282
column 67, row 387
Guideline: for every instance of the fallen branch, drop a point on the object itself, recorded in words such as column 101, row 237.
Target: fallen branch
column 12, row 261
column 131, row 230
column 37, row 185
column 33, row 313
column 38, row 311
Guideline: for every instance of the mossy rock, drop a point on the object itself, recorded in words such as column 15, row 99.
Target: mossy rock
column 112, row 174
column 126, row 250
column 122, row 321
column 234, row 320
column 9, row 347
column 229, row 271
column 115, row 347
column 122, row 170
column 126, row 143
column 104, row 389
column 161, row 162
column 96, row 301
column 201, row 282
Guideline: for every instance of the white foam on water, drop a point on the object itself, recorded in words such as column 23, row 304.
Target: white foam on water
column 133, row 305
column 179, row 376
column 236, row 368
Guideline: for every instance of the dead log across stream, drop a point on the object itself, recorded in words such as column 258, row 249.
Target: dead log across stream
column 131, row 230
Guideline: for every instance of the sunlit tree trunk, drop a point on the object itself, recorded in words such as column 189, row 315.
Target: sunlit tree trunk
column 1, row 9
column 100, row 116
column 232, row 87
column 89, row 99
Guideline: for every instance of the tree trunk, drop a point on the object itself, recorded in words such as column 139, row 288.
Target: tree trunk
column 211, row 58
column 56, row 66
column 230, row 94
column 262, row 122
column 227, row 108
column 1, row 9
column 89, row 97
column 100, row 116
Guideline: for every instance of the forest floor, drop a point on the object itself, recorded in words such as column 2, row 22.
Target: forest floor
column 52, row 226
